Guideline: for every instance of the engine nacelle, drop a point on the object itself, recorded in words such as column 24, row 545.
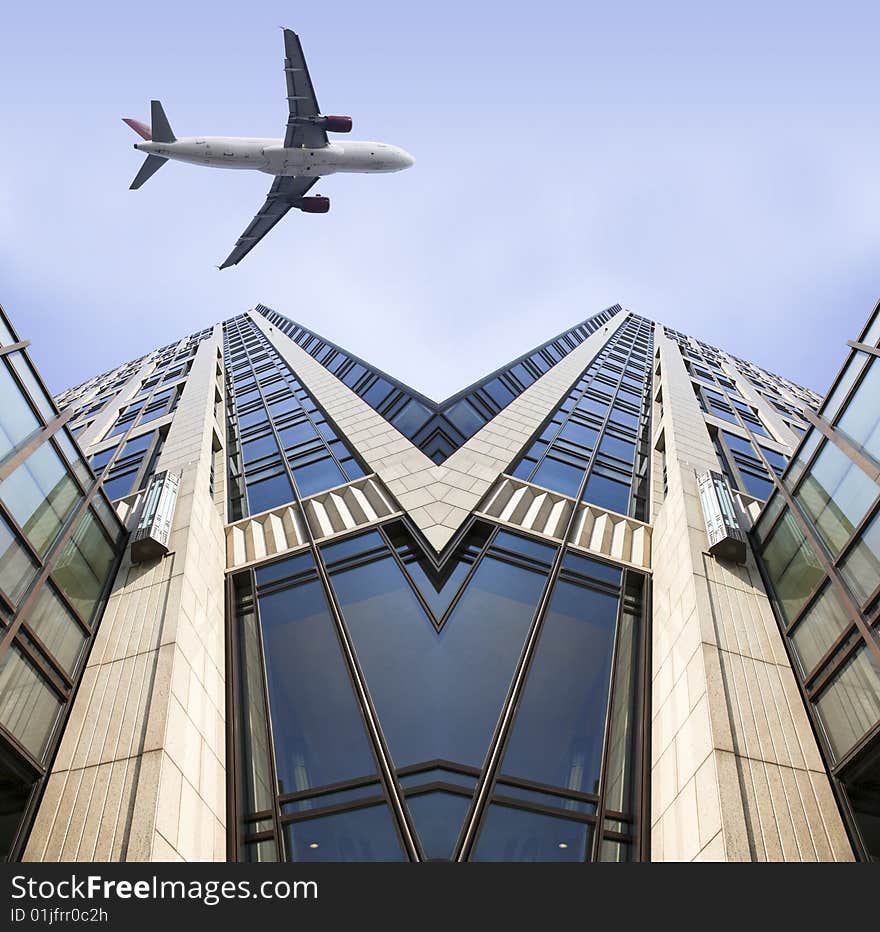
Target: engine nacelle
column 337, row 124
column 314, row 205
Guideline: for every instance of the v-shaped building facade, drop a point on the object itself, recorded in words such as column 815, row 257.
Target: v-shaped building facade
column 528, row 623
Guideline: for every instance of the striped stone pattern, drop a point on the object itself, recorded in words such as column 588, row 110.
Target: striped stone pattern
column 337, row 511
column 531, row 508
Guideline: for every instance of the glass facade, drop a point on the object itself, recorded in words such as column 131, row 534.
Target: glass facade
column 595, row 445
column 374, row 687
column 278, row 438
column 59, row 545
column 438, row 429
column 820, row 548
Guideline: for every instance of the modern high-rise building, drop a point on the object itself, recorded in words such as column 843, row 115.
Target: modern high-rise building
column 273, row 604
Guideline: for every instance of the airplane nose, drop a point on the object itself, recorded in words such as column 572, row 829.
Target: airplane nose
column 407, row 160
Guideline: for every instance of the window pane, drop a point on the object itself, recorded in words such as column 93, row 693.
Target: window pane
column 607, row 493
column 861, row 566
column 510, row 834
column 40, row 494
column 17, row 567
column 558, row 476
column 819, row 629
column 317, row 726
column 438, row 817
column 57, row 629
column 269, row 493
column 861, row 420
column 559, row 728
column 317, row 477
column 84, row 565
column 37, row 393
column 360, row 835
column 792, row 565
column 438, row 695
column 15, row 790
column 836, row 494
column 850, row 704
column 28, row 707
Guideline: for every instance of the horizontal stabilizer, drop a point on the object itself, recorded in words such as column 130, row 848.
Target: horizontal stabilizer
column 161, row 127
column 140, row 128
column 151, row 165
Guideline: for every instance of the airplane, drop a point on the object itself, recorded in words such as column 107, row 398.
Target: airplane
column 304, row 155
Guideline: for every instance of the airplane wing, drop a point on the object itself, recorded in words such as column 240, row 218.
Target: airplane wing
column 300, row 98
column 284, row 191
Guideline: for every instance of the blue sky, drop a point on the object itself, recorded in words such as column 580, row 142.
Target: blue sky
column 711, row 166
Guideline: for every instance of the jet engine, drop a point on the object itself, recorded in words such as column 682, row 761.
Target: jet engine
column 314, row 205
column 337, row 124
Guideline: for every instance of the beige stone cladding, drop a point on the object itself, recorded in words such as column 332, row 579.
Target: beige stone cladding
column 140, row 773
column 439, row 498
column 736, row 773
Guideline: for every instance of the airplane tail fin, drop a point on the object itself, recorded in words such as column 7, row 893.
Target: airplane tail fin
column 162, row 131
column 141, row 129
column 151, row 165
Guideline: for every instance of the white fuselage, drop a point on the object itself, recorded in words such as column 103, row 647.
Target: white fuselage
column 270, row 156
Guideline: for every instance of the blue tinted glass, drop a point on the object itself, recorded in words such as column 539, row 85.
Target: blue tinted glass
column 756, row 486
column 316, row 477
column 560, row 725
column 257, row 449
column 377, row 392
column 777, row 461
column 523, row 375
column 607, row 493
column 360, row 835
column 119, row 486
column 593, row 569
column 465, row 418
column 517, row 835
column 499, row 393
column 558, row 476
column 621, row 449
column 411, row 417
column 269, row 493
column 100, row 460
column 317, row 726
column 579, row 433
column 438, row 817
column 138, row 444
column 526, row 546
column 333, row 553
column 625, row 418
column 297, row 433
column 438, row 694
column 284, row 568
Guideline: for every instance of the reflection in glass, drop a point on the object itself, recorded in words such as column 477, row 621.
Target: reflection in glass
column 317, row 727
column 358, row 835
column 820, row 627
column 861, row 419
column 438, row 818
column 54, row 625
column 40, row 494
column 559, row 729
column 17, row 566
column 510, row 834
column 84, row 565
column 792, row 565
column 28, row 707
column 438, row 694
column 17, row 420
column 861, row 566
column 836, row 494
column 850, row 704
